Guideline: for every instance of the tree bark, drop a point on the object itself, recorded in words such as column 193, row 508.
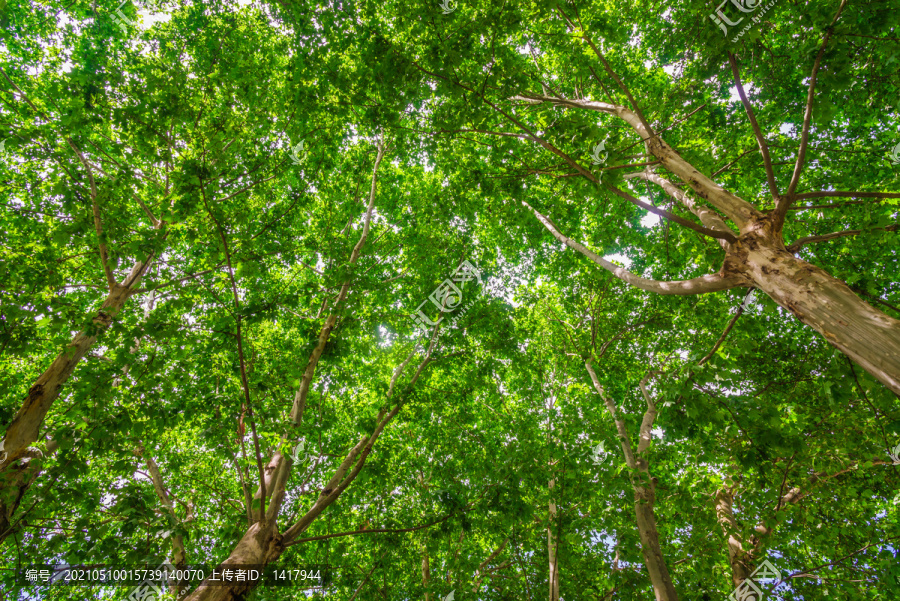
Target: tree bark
column 738, row 558
column 821, row 301
column 552, row 546
column 757, row 258
column 25, row 426
column 16, row 482
column 644, row 489
column 260, row 545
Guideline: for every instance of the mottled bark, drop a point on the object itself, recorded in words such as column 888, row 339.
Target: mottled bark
column 866, row 335
column 15, row 483
column 738, row 558
column 758, row 258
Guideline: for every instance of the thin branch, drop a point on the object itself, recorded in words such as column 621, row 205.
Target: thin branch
column 834, row 235
column 245, row 385
column 368, row 531
column 825, row 193
column 738, row 313
column 176, row 281
column 783, row 204
column 760, row 138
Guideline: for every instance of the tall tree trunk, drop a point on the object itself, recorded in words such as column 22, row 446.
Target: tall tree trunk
column 738, row 558
column 644, row 499
column 261, row 544
column 644, row 488
column 552, row 546
column 426, row 573
column 866, row 335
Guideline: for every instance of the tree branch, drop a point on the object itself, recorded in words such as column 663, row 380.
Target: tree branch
column 709, row 218
column 783, row 203
column 735, row 208
column 699, row 285
column 726, row 235
column 834, row 235
column 760, row 139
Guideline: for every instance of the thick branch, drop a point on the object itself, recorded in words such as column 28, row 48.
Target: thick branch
column 726, row 235
column 735, row 208
column 299, row 404
column 699, row 285
column 644, row 434
column 708, row 217
column 179, row 556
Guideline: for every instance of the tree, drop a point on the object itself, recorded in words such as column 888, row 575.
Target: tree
column 354, row 344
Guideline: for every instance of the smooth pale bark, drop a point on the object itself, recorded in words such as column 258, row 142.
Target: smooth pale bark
column 699, row 285
column 179, row 556
column 552, row 547
column 738, row 559
column 25, row 427
column 644, row 489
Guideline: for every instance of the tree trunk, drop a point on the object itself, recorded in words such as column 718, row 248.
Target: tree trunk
column 738, row 559
column 552, row 547
column 25, row 426
column 259, row 546
column 426, row 574
column 866, row 335
column 663, row 588
column 16, row 482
